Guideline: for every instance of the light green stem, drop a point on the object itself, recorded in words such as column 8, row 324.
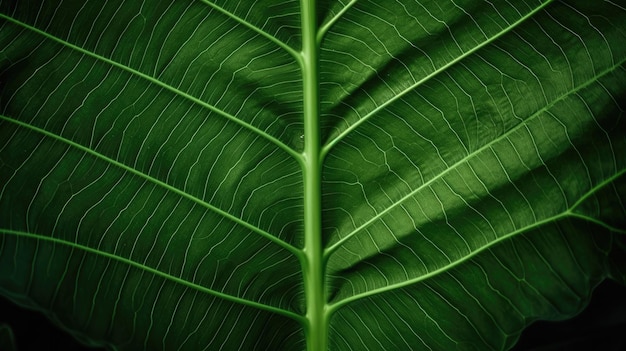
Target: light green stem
column 316, row 328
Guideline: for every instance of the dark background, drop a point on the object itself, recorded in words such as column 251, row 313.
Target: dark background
column 602, row 327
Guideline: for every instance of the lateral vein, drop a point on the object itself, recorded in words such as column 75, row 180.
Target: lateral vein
column 157, row 272
column 162, row 84
column 260, row 31
column 436, row 72
column 158, row 182
column 465, row 159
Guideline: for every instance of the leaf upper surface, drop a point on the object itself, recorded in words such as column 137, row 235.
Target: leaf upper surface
column 153, row 169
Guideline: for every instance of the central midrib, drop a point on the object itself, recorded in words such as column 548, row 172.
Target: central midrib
column 316, row 328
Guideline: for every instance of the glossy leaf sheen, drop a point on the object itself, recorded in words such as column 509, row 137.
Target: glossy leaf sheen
column 284, row 175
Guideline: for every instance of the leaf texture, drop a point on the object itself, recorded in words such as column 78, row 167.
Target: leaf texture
column 153, row 169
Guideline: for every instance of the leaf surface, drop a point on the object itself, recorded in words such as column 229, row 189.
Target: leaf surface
column 158, row 183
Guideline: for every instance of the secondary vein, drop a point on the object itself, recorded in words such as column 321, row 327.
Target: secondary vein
column 162, row 84
column 158, row 182
column 465, row 159
column 326, row 149
column 157, row 272
column 265, row 34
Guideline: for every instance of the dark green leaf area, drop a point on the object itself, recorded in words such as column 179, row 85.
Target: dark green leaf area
column 463, row 173
column 528, row 56
column 507, row 110
column 468, row 306
column 185, row 147
column 90, row 204
column 136, row 308
column 607, row 205
column 246, row 71
column 423, row 44
column 262, row 15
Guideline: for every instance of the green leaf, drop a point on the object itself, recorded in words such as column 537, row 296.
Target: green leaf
column 285, row 175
